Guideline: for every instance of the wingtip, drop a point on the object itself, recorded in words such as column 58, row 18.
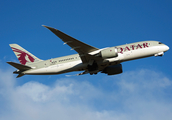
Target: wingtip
column 44, row 26
column 50, row 28
column 47, row 27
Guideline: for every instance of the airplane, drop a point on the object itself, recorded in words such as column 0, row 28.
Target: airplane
column 89, row 60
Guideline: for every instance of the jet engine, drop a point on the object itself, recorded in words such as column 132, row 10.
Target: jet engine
column 113, row 70
column 108, row 53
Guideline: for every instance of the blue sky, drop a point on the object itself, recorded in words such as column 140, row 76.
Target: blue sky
column 143, row 91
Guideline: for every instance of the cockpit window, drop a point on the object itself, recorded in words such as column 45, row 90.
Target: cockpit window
column 160, row 43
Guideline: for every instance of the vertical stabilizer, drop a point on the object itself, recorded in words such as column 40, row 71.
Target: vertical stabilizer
column 23, row 55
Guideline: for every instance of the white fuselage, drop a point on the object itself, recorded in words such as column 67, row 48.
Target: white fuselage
column 74, row 63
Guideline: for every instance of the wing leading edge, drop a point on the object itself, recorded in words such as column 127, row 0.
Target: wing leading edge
column 82, row 48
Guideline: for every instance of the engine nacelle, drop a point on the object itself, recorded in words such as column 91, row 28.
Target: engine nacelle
column 113, row 70
column 109, row 52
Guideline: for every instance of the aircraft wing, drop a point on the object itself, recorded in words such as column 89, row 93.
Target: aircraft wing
column 82, row 48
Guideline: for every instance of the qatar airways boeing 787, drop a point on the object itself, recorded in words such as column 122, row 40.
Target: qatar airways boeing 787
column 89, row 59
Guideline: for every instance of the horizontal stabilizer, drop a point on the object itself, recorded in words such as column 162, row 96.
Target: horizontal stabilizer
column 20, row 75
column 19, row 66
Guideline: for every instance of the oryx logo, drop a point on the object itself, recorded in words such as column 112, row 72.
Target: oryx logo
column 22, row 56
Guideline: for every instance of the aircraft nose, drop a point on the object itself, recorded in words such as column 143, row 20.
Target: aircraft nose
column 166, row 48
